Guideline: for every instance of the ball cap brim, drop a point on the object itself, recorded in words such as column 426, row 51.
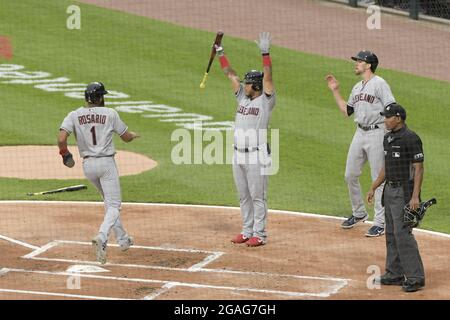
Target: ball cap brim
column 394, row 109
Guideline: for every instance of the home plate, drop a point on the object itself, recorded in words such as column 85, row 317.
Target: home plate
column 85, row 269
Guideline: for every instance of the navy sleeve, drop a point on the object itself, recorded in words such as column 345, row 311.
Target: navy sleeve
column 350, row 110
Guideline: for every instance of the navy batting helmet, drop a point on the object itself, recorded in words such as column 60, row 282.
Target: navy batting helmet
column 94, row 91
column 255, row 78
column 368, row 57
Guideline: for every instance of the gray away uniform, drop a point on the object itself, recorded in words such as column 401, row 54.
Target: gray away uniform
column 249, row 165
column 94, row 129
column 367, row 101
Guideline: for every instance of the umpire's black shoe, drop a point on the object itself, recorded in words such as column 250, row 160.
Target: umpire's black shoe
column 388, row 279
column 350, row 222
column 412, row 285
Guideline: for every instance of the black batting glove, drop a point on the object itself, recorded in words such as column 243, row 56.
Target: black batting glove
column 67, row 158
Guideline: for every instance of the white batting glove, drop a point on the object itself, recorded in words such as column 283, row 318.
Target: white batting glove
column 219, row 50
column 264, row 42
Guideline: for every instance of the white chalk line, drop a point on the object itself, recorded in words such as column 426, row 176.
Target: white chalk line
column 3, row 271
column 333, row 288
column 196, row 268
column 141, row 247
column 170, row 284
column 40, row 250
column 65, row 295
column 109, row 264
column 159, row 292
column 282, row 212
column 52, row 244
column 213, row 255
column 275, row 275
column 206, row 261
column 20, row 243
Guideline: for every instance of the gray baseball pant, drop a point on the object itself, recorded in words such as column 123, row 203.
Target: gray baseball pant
column 102, row 173
column 365, row 146
column 251, row 184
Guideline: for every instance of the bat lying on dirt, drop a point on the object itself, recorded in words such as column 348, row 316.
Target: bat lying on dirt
column 71, row 188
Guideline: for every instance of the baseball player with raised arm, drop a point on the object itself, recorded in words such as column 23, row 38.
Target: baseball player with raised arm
column 256, row 100
column 93, row 127
column 367, row 99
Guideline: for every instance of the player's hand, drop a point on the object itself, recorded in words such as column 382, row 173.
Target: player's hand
column 414, row 203
column 333, row 84
column 135, row 135
column 219, row 50
column 67, row 158
column 370, row 195
column 264, row 42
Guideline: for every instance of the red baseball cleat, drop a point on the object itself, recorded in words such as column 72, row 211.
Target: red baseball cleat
column 240, row 238
column 255, row 242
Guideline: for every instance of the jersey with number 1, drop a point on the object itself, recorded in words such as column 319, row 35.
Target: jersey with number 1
column 94, row 128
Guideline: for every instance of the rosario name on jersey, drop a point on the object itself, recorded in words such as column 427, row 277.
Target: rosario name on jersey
column 94, row 128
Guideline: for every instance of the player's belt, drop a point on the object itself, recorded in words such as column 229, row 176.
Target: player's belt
column 251, row 149
column 394, row 184
column 85, row 157
column 367, row 128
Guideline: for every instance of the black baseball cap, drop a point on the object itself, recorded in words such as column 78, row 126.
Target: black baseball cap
column 394, row 109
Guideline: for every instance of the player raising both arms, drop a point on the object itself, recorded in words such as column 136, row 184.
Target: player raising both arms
column 256, row 100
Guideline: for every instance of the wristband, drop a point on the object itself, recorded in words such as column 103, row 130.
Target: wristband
column 223, row 62
column 267, row 62
column 63, row 151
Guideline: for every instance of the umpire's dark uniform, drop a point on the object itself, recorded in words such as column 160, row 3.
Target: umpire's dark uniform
column 402, row 148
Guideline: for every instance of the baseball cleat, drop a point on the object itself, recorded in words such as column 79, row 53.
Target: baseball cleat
column 255, row 242
column 350, row 222
column 128, row 244
column 240, row 238
column 100, row 249
column 375, row 231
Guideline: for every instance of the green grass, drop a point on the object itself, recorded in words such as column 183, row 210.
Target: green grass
column 164, row 63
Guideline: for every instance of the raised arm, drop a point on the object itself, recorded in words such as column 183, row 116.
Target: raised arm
column 333, row 85
column 227, row 69
column 264, row 45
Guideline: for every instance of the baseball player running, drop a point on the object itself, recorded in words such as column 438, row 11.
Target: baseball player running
column 367, row 99
column 93, row 127
column 256, row 100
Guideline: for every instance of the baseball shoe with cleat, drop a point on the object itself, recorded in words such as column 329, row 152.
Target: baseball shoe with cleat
column 127, row 244
column 100, row 249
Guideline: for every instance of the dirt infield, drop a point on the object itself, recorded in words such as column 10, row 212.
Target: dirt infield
column 184, row 252
column 312, row 26
column 46, row 158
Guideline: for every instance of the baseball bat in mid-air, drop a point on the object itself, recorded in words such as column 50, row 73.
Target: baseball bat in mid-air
column 218, row 41
column 72, row 188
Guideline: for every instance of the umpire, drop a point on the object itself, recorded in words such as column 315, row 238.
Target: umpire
column 403, row 173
